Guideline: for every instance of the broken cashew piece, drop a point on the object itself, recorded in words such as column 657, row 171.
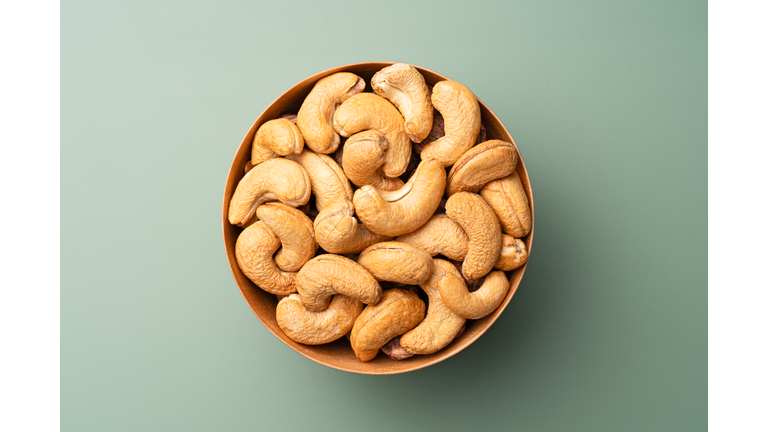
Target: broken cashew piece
column 507, row 198
column 401, row 211
column 396, row 262
column 460, row 301
column 483, row 163
column 405, row 87
column 440, row 235
column 274, row 180
column 479, row 221
column 363, row 156
column 461, row 112
column 513, row 253
column 328, row 274
column 328, row 180
column 337, row 231
column 295, row 231
column 315, row 117
column 253, row 251
column 314, row 328
column 396, row 313
column 276, row 137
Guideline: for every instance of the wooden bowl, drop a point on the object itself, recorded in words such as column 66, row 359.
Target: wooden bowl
column 339, row 354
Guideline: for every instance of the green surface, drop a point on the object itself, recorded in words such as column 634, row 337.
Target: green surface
column 607, row 101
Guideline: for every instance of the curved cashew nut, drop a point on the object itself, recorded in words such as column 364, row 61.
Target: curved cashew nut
column 295, row 231
column 396, row 313
column 404, row 86
column 401, row 211
column 274, row 180
column 468, row 305
column 315, row 328
column 364, row 154
column 440, row 235
column 276, row 137
column 513, row 253
column 253, row 250
column 315, row 116
column 326, row 275
column 481, row 164
column 477, row 219
column 337, row 230
column 461, row 112
column 328, row 180
column 369, row 111
column 396, row 262
column 507, row 198
column 440, row 326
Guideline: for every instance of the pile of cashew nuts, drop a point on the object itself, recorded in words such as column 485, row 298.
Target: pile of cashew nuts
column 346, row 204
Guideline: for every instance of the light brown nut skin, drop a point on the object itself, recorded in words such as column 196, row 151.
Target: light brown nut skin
column 440, row 235
column 369, row 111
column 396, row 313
column 401, row 211
column 337, row 231
column 328, row 180
column 513, row 253
column 461, row 113
column 440, row 326
column 328, row 274
column 394, row 351
column 396, row 262
column 295, row 231
column 507, row 198
column 253, row 251
column 364, row 154
column 483, row 163
column 315, row 117
column 274, row 180
column 276, row 137
column 468, row 305
column 314, row 328
column 405, row 87
column 478, row 220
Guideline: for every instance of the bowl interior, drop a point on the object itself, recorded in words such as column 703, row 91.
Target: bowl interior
column 339, row 354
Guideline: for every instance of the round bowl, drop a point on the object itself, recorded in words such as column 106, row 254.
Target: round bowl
column 339, row 354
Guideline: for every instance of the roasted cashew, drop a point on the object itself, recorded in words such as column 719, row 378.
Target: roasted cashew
column 403, row 210
column 363, row 155
column 337, row 231
column 396, row 262
column 460, row 301
column 478, row 220
column 483, row 163
column 326, row 275
column 315, row 116
column 253, row 251
column 396, row 313
column 513, row 253
column 328, row 180
column 440, row 235
column 405, row 87
column 461, row 112
column 295, row 231
column 507, row 198
column 369, row 111
column 441, row 326
column 274, row 180
column 276, row 137
column 314, row 328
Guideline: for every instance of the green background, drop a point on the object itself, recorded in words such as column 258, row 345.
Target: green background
column 607, row 101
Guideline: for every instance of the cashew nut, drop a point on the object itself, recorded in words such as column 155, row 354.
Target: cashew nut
column 295, row 231
column 328, row 180
column 326, row 275
column 461, row 112
column 315, row 328
column 315, row 116
column 507, row 198
column 441, row 326
column 276, row 137
column 478, row 220
column 468, row 305
column 440, row 235
column 404, row 86
column 363, row 155
column 253, row 251
column 513, row 253
column 274, row 180
column 396, row 262
column 337, row 230
column 403, row 210
column 481, row 164
column 396, row 313
column 369, row 111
